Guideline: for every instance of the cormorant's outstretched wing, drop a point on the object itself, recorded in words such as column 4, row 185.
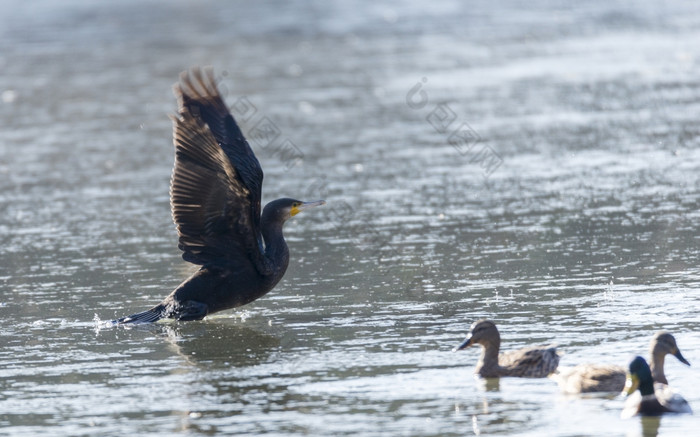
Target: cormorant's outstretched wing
column 216, row 184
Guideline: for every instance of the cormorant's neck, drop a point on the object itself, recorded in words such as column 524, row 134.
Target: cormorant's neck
column 276, row 250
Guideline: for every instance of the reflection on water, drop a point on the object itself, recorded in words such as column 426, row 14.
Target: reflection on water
column 221, row 344
column 490, row 384
column 650, row 426
column 585, row 234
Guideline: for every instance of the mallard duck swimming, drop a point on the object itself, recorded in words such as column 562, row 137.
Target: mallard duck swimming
column 530, row 362
column 591, row 378
column 663, row 343
column 649, row 401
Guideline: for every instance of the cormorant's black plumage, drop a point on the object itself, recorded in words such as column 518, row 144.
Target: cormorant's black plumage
column 215, row 196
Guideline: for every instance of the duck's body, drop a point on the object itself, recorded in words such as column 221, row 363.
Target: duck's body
column 646, row 398
column 591, row 378
column 650, row 405
column 599, row 378
column 530, row 362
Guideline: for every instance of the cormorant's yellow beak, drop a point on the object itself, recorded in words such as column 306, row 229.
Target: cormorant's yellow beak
column 305, row 205
column 465, row 344
column 631, row 384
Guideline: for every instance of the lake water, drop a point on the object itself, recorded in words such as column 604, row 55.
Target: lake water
column 537, row 163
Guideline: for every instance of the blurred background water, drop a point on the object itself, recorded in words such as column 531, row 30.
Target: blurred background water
column 565, row 208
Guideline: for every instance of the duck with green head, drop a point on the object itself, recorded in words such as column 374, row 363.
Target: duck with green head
column 649, row 401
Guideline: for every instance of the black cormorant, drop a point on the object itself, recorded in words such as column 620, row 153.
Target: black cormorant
column 215, row 200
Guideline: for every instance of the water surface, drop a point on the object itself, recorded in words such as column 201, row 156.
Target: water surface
column 568, row 213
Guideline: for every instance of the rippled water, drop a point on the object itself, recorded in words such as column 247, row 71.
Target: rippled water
column 573, row 219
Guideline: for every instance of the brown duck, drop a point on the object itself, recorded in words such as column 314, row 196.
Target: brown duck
column 592, row 378
column 530, row 362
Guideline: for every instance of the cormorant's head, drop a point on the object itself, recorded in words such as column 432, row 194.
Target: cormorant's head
column 482, row 331
column 665, row 343
column 639, row 376
column 281, row 210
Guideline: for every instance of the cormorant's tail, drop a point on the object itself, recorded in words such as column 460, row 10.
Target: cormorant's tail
column 149, row 316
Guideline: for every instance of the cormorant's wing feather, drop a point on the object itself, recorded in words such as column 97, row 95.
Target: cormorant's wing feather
column 211, row 204
column 198, row 95
column 203, row 192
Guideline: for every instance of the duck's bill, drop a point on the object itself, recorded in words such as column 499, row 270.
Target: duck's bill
column 465, row 344
column 681, row 358
column 631, row 384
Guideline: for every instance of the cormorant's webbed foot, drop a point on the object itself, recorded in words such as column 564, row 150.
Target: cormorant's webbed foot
column 191, row 310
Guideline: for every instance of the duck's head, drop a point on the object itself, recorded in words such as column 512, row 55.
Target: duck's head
column 639, row 377
column 664, row 343
column 482, row 332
